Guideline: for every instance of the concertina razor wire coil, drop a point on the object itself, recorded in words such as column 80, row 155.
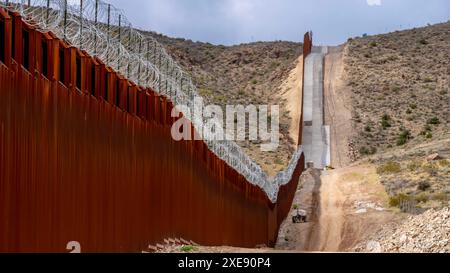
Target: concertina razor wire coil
column 104, row 31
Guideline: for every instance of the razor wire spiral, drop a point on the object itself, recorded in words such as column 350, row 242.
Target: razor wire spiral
column 104, row 31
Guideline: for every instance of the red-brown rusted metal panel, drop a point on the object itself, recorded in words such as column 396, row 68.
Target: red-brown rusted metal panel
column 7, row 39
column 17, row 29
column 307, row 47
column 72, row 59
column 76, row 167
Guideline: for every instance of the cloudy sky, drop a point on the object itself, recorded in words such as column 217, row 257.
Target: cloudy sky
column 240, row 21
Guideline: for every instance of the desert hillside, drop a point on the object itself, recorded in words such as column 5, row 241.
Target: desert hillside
column 400, row 88
column 256, row 73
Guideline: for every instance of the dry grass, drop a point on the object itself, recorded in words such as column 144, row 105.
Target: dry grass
column 407, row 174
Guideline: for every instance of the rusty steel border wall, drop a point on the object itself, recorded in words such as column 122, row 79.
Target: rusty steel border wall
column 87, row 156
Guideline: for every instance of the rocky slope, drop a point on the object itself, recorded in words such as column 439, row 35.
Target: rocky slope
column 400, row 88
column 426, row 233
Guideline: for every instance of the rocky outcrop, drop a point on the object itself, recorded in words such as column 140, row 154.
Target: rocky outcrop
column 425, row 233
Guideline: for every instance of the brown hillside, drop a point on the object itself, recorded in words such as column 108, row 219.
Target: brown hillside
column 400, row 88
column 244, row 74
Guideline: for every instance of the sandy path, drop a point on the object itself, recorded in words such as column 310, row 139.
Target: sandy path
column 331, row 220
column 337, row 107
column 291, row 92
column 334, row 221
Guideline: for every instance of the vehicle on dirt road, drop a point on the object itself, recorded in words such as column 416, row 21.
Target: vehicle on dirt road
column 299, row 217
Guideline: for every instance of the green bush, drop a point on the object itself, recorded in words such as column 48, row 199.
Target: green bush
column 401, row 142
column 403, row 138
column 434, row 121
column 187, row 248
column 389, row 168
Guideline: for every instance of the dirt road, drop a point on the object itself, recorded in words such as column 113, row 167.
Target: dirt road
column 331, row 220
column 345, row 206
column 337, row 108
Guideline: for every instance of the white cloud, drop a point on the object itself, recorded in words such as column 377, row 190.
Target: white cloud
column 374, row 2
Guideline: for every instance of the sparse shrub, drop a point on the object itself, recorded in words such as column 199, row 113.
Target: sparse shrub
column 368, row 150
column 390, row 167
column 409, row 112
column 401, row 141
column 426, row 131
column 424, row 186
column 427, row 80
column 403, row 138
column 397, row 200
column 422, row 198
column 430, row 169
column 414, row 166
column 423, row 42
column 278, row 161
column 368, row 128
column 254, row 82
column 373, row 44
column 386, row 122
column 434, row 121
column 392, row 58
column 413, row 106
column 429, row 135
column 395, row 88
column 442, row 196
column 295, row 207
column 444, row 163
column 274, row 65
